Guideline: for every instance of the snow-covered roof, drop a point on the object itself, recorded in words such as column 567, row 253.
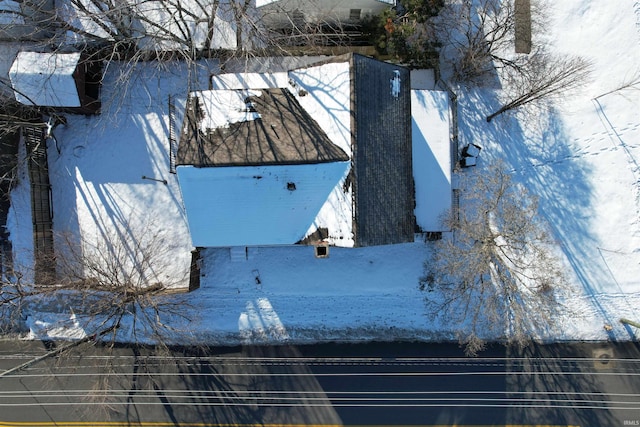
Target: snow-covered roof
column 309, row 121
column 256, row 205
column 85, row 16
column 330, row 101
column 221, row 108
column 249, row 80
column 431, row 157
column 10, row 13
column 45, row 79
column 270, row 64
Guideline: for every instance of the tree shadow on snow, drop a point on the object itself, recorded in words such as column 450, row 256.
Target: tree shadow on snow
column 534, row 145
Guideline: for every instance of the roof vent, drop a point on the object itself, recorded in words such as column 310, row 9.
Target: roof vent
column 395, row 84
column 291, row 186
column 249, row 107
column 322, row 250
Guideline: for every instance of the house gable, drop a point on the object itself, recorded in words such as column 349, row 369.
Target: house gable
column 256, row 205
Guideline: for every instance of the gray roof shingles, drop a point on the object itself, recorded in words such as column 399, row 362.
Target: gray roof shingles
column 384, row 196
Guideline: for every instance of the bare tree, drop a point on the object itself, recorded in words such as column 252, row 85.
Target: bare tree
column 315, row 28
column 117, row 285
column 480, row 39
column 476, row 35
column 630, row 82
column 543, row 77
column 120, row 276
column 497, row 273
column 108, row 289
column 152, row 27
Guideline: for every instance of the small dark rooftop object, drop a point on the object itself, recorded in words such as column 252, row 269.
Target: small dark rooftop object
column 149, row 178
column 291, row 186
column 322, row 250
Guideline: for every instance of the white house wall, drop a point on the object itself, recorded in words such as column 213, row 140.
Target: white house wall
column 90, row 20
column 431, row 157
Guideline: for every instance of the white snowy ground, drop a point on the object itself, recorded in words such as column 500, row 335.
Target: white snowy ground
column 580, row 158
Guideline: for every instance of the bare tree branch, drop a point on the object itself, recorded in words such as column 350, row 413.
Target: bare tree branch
column 497, row 273
column 543, row 77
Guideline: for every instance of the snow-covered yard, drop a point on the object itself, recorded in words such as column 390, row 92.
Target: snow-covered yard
column 580, row 157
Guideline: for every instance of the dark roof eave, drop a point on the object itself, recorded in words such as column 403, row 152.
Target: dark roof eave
column 266, row 163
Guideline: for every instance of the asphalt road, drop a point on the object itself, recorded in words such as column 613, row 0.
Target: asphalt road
column 372, row 384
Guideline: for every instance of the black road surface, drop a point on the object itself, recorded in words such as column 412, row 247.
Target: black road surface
column 357, row 384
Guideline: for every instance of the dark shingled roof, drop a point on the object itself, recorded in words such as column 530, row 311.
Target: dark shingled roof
column 383, row 171
column 284, row 134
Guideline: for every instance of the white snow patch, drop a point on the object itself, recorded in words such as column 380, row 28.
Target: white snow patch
column 431, row 157
column 52, row 326
column 223, row 107
column 328, row 99
column 45, row 79
column 579, row 159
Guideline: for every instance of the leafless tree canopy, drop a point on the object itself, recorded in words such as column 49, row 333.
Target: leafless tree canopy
column 120, row 275
column 115, row 284
column 497, row 272
column 479, row 39
column 475, row 35
column 543, row 77
column 189, row 26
